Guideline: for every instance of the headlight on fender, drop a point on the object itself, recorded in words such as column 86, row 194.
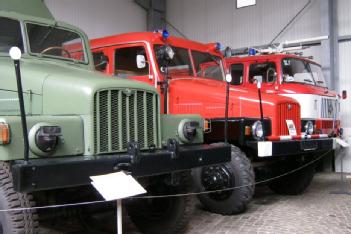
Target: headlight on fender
column 187, row 130
column 309, row 128
column 257, row 130
column 43, row 138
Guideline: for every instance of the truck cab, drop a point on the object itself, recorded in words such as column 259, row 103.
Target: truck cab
column 82, row 123
column 292, row 76
column 190, row 77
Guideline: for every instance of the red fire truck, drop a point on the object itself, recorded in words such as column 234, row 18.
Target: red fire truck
column 191, row 78
column 293, row 76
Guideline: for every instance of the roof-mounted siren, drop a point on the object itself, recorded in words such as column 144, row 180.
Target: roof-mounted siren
column 283, row 47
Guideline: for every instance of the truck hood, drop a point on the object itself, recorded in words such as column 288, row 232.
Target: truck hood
column 64, row 88
column 208, row 98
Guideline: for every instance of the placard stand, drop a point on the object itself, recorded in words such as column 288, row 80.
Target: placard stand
column 116, row 186
column 119, row 216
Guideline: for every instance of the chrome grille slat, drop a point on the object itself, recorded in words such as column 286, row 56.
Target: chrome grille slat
column 123, row 116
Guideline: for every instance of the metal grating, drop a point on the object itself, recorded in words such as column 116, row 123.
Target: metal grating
column 286, row 113
column 121, row 116
column 328, row 108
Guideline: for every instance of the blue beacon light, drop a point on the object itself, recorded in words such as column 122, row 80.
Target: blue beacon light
column 165, row 34
column 218, row 46
column 252, row 51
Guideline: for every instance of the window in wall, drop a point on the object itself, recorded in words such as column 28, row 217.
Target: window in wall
column 245, row 3
column 237, row 71
column 126, row 62
column 266, row 71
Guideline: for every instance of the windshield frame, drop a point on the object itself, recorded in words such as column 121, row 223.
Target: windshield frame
column 307, row 65
column 60, row 58
column 213, row 57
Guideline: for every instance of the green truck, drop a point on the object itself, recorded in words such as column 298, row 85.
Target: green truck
column 81, row 123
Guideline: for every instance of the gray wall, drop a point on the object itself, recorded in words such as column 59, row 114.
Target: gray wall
column 100, row 17
column 219, row 20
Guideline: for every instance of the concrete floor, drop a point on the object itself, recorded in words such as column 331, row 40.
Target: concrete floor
column 316, row 211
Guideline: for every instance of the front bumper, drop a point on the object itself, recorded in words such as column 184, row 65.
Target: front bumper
column 54, row 173
column 290, row 147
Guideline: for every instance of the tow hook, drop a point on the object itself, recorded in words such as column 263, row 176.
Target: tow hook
column 173, row 146
column 134, row 151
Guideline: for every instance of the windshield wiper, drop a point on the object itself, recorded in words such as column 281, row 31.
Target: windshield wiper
column 48, row 32
column 307, row 80
column 46, row 36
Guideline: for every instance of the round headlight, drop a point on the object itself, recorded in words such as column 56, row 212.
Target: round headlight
column 309, row 128
column 187, row 130
column 43, row 138
column 257, row 130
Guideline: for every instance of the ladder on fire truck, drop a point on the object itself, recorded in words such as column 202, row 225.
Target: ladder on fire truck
column 283, row 47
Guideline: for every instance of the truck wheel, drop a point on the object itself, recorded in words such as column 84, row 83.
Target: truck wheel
column 163, row 215
column 15, row 222
column 238, row 172
column 295, row 183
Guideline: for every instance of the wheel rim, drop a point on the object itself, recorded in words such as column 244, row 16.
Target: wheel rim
column 216, row 178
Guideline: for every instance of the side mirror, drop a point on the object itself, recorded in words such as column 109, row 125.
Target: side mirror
column 140, row 61
column 101, row 62
column 228, row 77
column 344, row 94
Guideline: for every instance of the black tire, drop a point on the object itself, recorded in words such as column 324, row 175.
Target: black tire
column 238, row 172
column 163, row 215
column 294, row 183
column 15, row 222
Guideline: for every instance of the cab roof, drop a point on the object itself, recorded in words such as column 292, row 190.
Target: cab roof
column 36, row 8
column 153, row 38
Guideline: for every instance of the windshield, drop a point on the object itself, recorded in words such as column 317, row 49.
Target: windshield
column 10, row 35
column 300, row 71
column 208, row 65
column 55, row 42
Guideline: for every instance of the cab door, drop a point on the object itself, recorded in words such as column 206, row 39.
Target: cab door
column 132, row 61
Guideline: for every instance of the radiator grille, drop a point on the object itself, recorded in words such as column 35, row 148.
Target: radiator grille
column 328, row 108
column 287, row 111
column 121, row 116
